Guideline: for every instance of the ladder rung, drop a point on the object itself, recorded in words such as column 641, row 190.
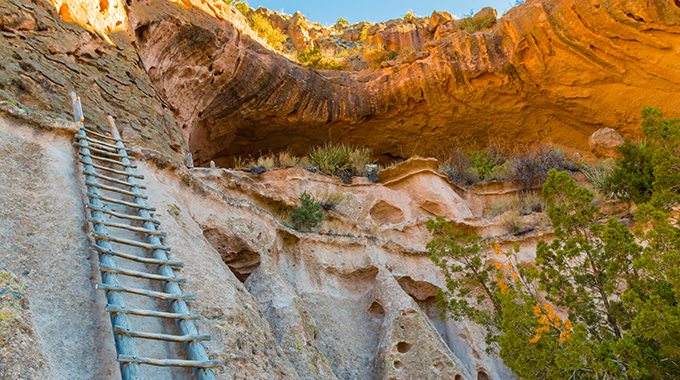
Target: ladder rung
column 116, row 190
column 92, row 131
column 122, row 216
column 149, row 313
column 139, row 259
column 102, row 151
column 169, row 362
column 146, row 293
column 134, row 273
column 114, row 180
column 127, row 227
column 102, row 143
column 109, row 160
column 118, row 201
column 111, row 170
column 165, row 337
column 130, row 242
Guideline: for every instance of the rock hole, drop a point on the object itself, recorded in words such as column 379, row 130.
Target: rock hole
column 376, row 310
column 241, row 260
column 458, row 377
column 481, row 375
column 403, row 347
column 292, row 116
column 65, row 13
column 103, row 6
column 142, row 33
column 437, row 367
column 119, row 23
column 397, row 364
column 634, row 17
column 677, row 3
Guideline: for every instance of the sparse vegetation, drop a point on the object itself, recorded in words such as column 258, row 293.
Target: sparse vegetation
column 266, row 162
column 337, row 159
column 472, row 24
column 331, row 199
column 467, row 164
column 312, row 57
column 285, row 159
column 342, row 22
column 512, row 221
column 308, row 216
column 241, row 6
column 410, row 16
column 374, row 57
column 264, row 29
column 617, row 289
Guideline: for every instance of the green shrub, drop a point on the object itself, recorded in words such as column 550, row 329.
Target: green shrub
column 312, row 57
column 342, row 22
column 334, row 159
column 374, row 57
column 632, row 179
column 618, row 290
column 308, row 216
column 264, row 29
column 472, row 24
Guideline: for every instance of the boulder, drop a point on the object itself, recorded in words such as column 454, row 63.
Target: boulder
column 438, row 18
column 298, row 31
column 604, row 141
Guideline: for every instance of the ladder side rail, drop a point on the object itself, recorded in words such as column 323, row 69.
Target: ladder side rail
column 195, row 350
column 125, row 345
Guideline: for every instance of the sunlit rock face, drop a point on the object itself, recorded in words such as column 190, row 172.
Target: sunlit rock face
column 549, row 71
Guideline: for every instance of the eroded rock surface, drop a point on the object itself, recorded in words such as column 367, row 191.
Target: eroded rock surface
column 549, row 70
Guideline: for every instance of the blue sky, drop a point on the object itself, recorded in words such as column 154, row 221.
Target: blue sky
column 327, row 12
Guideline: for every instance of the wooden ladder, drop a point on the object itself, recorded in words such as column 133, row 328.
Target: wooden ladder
column 105, row 159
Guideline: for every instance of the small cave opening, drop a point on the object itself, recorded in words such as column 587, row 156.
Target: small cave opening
column 403, row 347
column 481, row 375
column 398, row 364
column 239, row 257
column 376, row 310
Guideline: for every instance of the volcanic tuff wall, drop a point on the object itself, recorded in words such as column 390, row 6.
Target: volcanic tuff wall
column 550, row 71
column 352, row 302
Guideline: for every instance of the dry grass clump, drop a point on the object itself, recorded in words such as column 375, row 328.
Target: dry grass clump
column 329, row 200
column 523, row 205
column 286, row 159
column 512, row 221
column 374, row 57
column 266, row 162
column 314, row 58
column 340, row 159
column 472, row 24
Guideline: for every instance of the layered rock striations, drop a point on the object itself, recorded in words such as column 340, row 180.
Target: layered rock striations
column 548, row 71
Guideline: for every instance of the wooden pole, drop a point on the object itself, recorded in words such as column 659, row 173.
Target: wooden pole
column 195, row 349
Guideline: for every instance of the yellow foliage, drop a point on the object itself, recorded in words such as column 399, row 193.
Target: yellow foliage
column 264, row 29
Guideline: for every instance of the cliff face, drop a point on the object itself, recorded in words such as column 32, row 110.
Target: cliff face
column 44, row 58
column 550, row 71
column 353, row 300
